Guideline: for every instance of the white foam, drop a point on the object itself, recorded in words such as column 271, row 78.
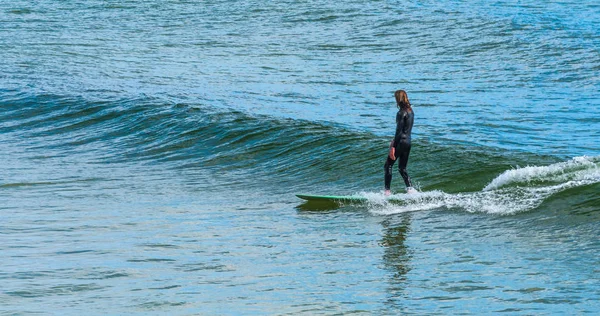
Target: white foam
column 514, row 191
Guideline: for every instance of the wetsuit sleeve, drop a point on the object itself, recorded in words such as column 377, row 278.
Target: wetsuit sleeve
column 400, row 121
column 410, row 119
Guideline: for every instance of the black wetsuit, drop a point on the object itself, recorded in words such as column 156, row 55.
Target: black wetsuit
column 404, row 124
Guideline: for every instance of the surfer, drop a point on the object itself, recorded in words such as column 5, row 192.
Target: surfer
column 400, row 145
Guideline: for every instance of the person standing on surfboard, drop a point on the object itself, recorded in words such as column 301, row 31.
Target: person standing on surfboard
column 400, row 145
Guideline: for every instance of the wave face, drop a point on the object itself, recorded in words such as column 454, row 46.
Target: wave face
column 284, row 155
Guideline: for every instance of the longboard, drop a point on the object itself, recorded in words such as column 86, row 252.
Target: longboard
column 351, row 199
column 333, row 198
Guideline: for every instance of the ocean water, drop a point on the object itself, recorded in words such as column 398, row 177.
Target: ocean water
column 150, row 153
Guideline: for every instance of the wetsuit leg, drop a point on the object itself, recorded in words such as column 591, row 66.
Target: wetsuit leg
column 389, row 163
column 402, row 153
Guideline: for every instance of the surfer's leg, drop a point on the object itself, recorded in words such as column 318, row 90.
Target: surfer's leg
column 403, row 152
column 389, row 163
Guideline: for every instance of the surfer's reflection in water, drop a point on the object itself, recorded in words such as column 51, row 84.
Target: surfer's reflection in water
column 397, row 255
column 400, row 145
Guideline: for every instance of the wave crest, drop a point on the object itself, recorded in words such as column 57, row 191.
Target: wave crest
column 576, row 169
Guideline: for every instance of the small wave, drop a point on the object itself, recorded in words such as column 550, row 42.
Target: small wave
column 292, row 154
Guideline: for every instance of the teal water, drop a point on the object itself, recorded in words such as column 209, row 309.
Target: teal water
column 151, row 153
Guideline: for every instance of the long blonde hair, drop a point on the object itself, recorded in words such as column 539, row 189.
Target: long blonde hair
column 402, row 99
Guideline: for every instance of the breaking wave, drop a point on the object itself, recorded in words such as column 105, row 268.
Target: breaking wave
column 514, row 191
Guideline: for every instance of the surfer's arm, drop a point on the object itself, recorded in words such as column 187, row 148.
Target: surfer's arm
column 400, row 121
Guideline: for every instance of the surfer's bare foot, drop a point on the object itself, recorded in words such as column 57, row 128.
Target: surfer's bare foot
column 387, row 192
column 411, row 190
